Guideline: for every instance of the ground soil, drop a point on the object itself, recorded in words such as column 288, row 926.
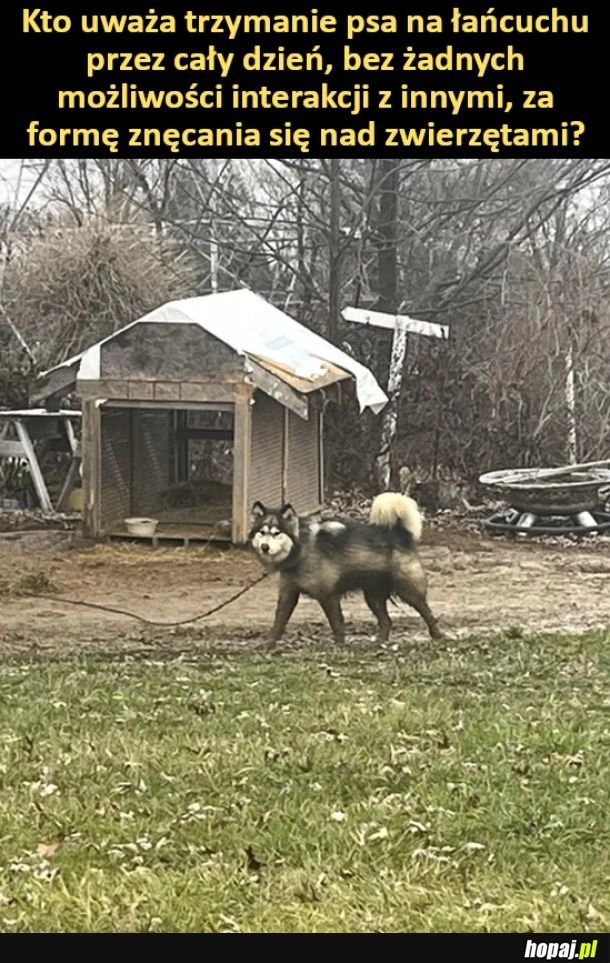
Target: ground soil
column 478, row 583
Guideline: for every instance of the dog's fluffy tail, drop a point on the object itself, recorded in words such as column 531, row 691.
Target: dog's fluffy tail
column 390, row 508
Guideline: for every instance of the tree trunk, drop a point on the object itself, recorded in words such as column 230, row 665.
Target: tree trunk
column 571, row 406
column 387, row 227
column 334, row 279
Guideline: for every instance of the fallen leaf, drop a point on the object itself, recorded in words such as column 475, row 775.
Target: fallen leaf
column 381, row 833
column 594, row 914
column 47, row 850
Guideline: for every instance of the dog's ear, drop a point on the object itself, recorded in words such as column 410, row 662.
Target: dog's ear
column 258, row 510
column 290, row 518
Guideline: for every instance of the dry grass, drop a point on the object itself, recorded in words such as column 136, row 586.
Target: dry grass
column 75, row 285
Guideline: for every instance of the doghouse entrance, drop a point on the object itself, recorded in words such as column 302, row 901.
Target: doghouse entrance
column 172, row 465
column 201, row 493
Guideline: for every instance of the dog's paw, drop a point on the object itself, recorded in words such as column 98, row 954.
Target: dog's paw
column 263, row 644
column 448, row 636
column 272, row 646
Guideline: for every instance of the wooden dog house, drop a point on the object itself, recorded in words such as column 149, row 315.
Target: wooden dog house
column 198, row 409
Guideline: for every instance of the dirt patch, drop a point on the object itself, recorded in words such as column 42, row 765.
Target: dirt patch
column 478, row 583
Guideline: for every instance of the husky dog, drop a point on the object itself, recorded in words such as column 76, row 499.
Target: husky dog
column 325, row 560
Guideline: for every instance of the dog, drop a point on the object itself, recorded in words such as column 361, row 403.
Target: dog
column 326, row 560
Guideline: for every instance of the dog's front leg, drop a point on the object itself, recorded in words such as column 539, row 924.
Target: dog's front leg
column 332, row 610
column 286, row 604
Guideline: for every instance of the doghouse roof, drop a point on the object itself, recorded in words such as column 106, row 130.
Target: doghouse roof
column 252, row 327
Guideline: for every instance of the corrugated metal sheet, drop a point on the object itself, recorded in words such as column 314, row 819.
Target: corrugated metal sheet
column 115, row 493
column 303, row 476
column 265, row 477
column 152, row 461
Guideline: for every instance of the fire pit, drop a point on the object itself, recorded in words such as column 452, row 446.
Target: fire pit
column 565, row 500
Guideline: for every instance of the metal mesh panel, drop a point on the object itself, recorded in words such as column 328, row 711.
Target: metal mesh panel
column 151, row 463
column 265, row 479
column 303, row 476
column 115, row 495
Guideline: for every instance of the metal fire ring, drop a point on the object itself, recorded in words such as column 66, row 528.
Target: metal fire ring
column 508, row 523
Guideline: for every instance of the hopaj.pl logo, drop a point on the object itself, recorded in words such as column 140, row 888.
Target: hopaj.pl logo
column 569, row 950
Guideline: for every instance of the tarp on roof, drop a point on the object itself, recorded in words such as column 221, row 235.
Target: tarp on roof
column 249, row 325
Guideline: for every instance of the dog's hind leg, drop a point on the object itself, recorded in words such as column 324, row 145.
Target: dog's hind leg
column 332, row 610
column 378, row 606
column 417, row 600
column 286, row 604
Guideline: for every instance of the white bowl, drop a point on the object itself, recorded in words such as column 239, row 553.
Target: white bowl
column 141, row 526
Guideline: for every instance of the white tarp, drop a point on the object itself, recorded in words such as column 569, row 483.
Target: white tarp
column 250, row 325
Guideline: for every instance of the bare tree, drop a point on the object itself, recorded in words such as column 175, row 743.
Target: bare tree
column 512, row 254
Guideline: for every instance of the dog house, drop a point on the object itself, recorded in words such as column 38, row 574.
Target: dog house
column 201, row 407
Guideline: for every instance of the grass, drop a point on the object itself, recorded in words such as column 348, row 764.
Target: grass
column 455, row 788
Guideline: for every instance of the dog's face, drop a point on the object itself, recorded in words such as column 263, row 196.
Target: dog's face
column 274, row 532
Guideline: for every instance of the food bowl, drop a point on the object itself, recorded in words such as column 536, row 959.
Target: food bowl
column 225, row 527
column 141, row 526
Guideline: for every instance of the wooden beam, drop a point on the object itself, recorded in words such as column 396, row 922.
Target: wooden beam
column 70, row 435
column 102, row 389
column 381, row 319
column 37, row 477
column 55, row 382
column 213, row 434
column 321, row 454
column 140, row 389
column 211, row 393
column 277, row 390
column 285, row 453
column 241, row 471
column 178, row 393
column 170, row 405
column 91, row 451
column 167, row 391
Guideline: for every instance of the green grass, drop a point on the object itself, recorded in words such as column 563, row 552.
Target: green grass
column 460, row 787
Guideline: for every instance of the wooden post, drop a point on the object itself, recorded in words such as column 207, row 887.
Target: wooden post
column 91, row 444
column 37, row 478
column 70, row 435
column 241, row 469
column 389, row 424
column 321, row 467
column 285, row 454
column 402, row 325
